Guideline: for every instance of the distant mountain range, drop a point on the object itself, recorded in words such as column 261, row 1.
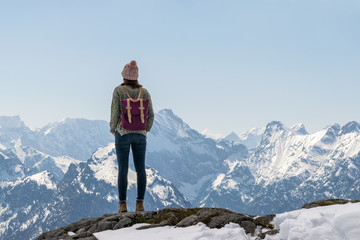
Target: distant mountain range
column 67, row 170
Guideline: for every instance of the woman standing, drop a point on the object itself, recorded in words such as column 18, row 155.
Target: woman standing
column 132, row 116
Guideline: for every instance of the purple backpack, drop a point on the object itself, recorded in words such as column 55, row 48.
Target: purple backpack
column 135, row 112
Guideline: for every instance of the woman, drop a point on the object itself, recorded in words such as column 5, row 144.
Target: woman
column 129, row 129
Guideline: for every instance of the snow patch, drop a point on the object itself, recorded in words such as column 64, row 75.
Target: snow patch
column 19, row 151
column 2, row 147
column 336, row 222
column 5, row 224
column 42, row 179
column 218, row 181
column 231, row 231
column 4, row 156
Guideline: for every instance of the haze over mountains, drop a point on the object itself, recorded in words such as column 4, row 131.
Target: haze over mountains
column 70, row 167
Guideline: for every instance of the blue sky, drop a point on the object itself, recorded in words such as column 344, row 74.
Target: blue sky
column 222, row 65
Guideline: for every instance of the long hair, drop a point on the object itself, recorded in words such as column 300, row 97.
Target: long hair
column 131, row 83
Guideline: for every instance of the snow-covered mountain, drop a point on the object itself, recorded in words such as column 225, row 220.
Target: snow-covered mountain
column 290, row 167
column 74, row 137
column 77, row 138
column 283, row 168
column 41, row 202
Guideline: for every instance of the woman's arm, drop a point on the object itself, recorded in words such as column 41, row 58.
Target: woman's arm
column 150, row 118
column 115, row 111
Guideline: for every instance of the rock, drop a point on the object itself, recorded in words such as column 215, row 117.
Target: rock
column 148, row 214
column 89, row 238
column 102, row 226
column 221, row 220
column 248, row 226
column 328, row 202
column 188, row 221
column 206, row 212
column 82, row 223
column 83, row 235
column 271, row 232
column 53, row 234
column 84, row 229
column 130, row 215
column 113, row 218
column 125, row 222
column 163, row 223
column 265, row 221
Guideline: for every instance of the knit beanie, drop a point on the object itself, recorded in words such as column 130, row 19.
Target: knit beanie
column 131, row 71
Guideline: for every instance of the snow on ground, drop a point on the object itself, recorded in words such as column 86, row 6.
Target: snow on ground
column 200, row 231
column 336, row 222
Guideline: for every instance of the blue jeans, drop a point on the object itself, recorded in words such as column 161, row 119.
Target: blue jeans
column 138, row 148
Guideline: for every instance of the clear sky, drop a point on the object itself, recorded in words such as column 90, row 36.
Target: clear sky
column 222, row 65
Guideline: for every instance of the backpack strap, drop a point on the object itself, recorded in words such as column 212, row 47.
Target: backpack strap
column 128, row 95
column 128, row 108
column 141, row 108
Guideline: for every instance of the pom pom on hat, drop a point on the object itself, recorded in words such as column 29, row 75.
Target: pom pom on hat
column 133, row 63
column 131, row 71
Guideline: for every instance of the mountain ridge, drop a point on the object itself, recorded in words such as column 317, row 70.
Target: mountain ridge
column 288, row 165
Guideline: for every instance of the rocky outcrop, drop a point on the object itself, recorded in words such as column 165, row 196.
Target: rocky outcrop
column 177, row 217
column 256, row 226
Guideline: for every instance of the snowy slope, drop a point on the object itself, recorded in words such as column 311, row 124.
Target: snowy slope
column 21, row 161
column 25, row 209
column 11, row 168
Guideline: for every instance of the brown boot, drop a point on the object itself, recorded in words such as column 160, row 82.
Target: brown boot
column 122, row 207
column 139, row 205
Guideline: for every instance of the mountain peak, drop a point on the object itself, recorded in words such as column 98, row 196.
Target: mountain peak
column 300, row 128
column 11, row 122
column 274, row 126
column 166, row 111
column 350, row 127
column 331, row 134
column 233, row 137
column 173, row 124
column 169, row 114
